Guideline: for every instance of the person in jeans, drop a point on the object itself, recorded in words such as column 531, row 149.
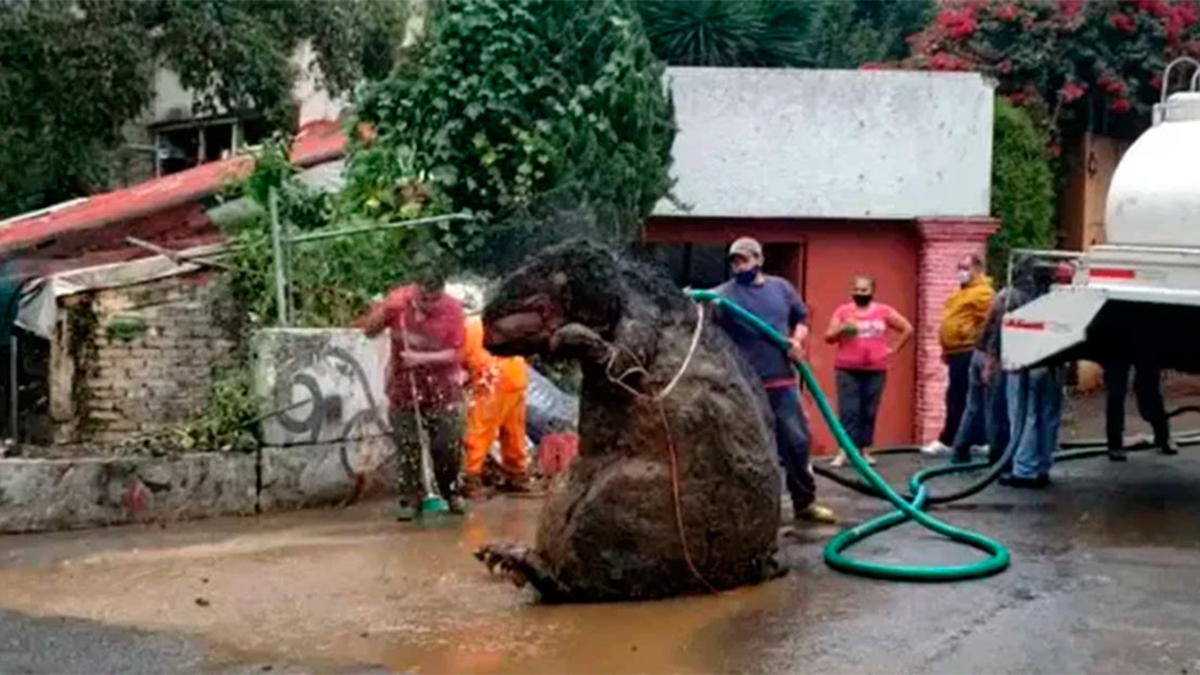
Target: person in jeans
column 963, row 317
column 1035, row 412
column 776, row 302
column 424, row 385
column 1034, row 396
column 859, row 329
column 986, row 414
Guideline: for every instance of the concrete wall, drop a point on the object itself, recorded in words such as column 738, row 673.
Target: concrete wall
column 173, row 103
column 137, row 359
column 319, row 386
column 831, row 144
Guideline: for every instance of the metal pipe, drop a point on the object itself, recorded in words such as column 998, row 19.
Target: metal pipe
column 1166, row 83
column 14, row 405
column 389, row 225
column 277, row 251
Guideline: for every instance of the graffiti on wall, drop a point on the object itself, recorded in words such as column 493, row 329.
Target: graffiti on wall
column 324, row 387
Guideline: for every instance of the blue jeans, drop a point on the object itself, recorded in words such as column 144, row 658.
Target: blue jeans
column 986, row 417
column 1034, row 413
column 792, row 442
column 972, row 429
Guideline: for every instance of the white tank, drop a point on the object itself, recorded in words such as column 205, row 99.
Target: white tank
column 1154, row 197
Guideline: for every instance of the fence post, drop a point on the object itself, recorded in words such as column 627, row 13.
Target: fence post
column 281, row 293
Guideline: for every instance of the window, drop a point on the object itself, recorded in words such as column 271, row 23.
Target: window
column 183, row 146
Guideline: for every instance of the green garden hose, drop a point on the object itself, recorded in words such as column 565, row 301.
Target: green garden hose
column 999, row 557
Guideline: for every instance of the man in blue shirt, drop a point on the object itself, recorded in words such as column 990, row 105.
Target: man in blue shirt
column 776, row 302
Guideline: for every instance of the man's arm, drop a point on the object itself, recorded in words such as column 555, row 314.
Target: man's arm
column 798, row 318
column 381, row 314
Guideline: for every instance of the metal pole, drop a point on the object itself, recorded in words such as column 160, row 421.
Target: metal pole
column 391, row 225
column 14, row 411
column 277, row 251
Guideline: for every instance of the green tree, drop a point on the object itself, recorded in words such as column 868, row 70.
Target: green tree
column 519, row 107
column 782, row 33
column 1022, row 186
column 73, row 72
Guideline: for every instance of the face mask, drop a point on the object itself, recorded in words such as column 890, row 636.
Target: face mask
column 747, row 277
column 862, row 300
column 964, row 277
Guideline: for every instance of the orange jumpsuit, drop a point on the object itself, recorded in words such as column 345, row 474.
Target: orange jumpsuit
column 497, row 405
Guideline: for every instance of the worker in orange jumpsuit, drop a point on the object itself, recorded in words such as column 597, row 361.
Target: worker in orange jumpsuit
column 496, row 408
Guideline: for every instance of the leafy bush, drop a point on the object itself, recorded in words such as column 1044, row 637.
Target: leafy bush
column 519, row 107
column 1022, row 186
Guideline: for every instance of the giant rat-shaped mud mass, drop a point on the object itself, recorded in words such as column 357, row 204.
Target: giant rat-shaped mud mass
column 609, row 531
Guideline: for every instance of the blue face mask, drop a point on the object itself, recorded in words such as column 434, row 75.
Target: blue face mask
column 747, row 277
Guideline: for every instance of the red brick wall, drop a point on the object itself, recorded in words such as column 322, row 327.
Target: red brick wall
column 943, row 243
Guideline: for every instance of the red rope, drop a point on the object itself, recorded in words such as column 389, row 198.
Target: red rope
column 687, row 554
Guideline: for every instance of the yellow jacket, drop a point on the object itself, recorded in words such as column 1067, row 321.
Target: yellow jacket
column 964, row 316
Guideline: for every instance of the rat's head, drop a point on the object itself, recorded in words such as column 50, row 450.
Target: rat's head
column 573, row 282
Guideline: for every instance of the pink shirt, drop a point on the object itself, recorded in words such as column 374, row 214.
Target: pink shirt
column 867, row 349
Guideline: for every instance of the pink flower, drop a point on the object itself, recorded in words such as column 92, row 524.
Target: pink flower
column 1008, row 12
column 1123, row 23
column 1072, row 91
column 1112, row 86
column 1156, row 8
column 1019, row 97
column 1121, row 106
column 957, row 24
column 1156, row 82
column 873, row 65
column 1004, row 67
column 944, row 61
column 1070, row 8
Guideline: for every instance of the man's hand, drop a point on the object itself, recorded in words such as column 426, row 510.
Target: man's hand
column 796, row 353
column 410, row 359
column 989, row 368
column 849, row 329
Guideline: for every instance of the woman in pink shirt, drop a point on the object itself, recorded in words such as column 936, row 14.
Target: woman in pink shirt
column 860, row 329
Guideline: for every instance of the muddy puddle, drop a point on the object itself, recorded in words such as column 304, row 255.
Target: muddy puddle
column 352, row 588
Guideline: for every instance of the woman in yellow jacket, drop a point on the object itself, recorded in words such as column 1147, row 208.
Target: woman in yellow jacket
column 963, row 318
column 496, row 408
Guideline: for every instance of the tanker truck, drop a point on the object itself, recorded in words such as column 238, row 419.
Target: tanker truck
column 1138, row 296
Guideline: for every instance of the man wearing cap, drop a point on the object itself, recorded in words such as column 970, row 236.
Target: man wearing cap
column 776, row 302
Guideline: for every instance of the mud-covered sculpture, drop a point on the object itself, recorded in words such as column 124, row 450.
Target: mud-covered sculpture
column 610, row 531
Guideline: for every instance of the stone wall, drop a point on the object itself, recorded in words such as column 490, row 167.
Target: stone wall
column 137, row 359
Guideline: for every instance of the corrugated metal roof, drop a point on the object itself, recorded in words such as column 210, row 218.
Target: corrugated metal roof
column 317, row 142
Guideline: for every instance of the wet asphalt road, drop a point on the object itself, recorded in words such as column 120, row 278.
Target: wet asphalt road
column 1104, row 580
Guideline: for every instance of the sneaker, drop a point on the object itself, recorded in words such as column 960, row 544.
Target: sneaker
column 817, row 514
column 936, row 448
column 1035, row 483
column 839, row 461
column 961, row 458
column 1168, row 448
column 981, row 450
column 869, row 459
column 1117, row 456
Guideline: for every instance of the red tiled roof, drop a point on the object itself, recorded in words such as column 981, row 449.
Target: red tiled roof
column 317, row 142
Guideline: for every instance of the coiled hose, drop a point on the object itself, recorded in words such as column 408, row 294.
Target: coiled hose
column 909, row 507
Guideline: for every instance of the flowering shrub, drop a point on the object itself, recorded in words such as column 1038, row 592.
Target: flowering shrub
column 1065, row 59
